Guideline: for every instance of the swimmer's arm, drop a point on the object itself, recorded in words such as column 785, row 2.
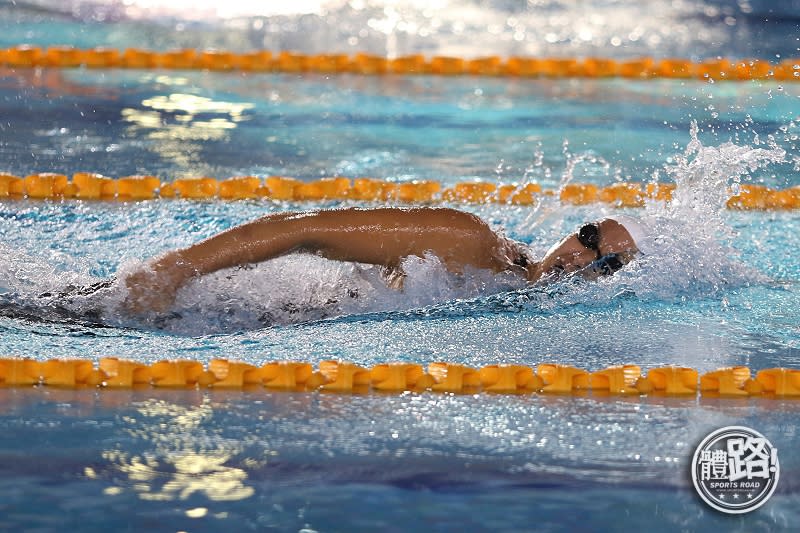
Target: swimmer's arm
column 154, row 287
column 380, row 237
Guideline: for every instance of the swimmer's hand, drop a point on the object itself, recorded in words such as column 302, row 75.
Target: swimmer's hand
column 153, row 287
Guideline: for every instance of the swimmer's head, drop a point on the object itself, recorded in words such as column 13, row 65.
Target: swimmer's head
column 580, row 249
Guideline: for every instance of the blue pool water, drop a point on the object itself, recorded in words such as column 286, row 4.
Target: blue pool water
column 722, row 289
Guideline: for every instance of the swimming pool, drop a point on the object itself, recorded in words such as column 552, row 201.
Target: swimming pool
column 722, row 291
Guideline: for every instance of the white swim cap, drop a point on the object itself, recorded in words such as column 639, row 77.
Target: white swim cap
column 642, row 236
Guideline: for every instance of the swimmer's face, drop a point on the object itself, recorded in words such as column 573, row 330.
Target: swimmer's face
column 569, row 255
column 566, row 256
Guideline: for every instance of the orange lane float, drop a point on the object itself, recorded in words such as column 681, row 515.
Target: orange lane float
column 486, row 66
column 10, row 185
column 726, row 381
column 450, row 377
column 471, row 192
column 660, row 191
column 344, row 377
column 412, row 64
column 752, row 69
column 17, row 372
column 449, row 66
column 101, row 58
column 92, row 186
column 715, row 69
column 788, row 70
column 196, row 188
column 136, row 58
column 750, row 196
column 222, row 373
column 623, row 195
column 439, row 377
column 642, row 68
column 288, row 375
column 518, row 194
column 27, row 56
column 291, row 62
column 616, row 380
column 218, row 60
column 259, row 61
column 509, row 379
column 596, row 67
column 239, row 188
column 562, row 378
column 137, row 187
column 178, row 59
column 421, row 192
column 63, row 56
column 783, row 199
column 371, row 190
column 118, row 373
column 176, row 374
column 329, row 63
column 561, row 68
column 368, row 64
column 44, row 185
column 23, row 56
column 69, row 373
column 579, row 194
column 780, row 381
column 676, row 68
column 524, row 67
column 399, row 377
column 323, row 189
column 669, row 380
column 280, row 188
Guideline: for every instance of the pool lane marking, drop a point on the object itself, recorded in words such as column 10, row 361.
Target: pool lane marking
column 642, row 68
column 441, row 377
column 92, row 186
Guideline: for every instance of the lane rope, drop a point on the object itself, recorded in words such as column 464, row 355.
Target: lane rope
column 718, row 69
column 344, row 377
column 91, row 186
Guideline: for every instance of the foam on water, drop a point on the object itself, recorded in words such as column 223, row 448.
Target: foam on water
column 302, row 287
column 694, row 255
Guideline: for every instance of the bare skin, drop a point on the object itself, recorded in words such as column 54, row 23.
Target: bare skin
column 379, row 236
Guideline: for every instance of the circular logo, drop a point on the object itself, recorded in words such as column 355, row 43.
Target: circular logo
column 735, row 469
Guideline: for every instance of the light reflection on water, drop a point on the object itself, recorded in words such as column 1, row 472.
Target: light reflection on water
column 174, row 129
column 183, row 459
column 316, row 460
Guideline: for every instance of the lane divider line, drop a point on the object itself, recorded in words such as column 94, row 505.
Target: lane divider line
column 92, row 186
column 439, row 377
column 29, row 56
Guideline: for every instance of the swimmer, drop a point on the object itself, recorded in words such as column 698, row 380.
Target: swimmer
column 382, row 236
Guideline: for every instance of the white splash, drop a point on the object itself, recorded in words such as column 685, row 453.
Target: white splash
column 692, row 251
column 302, row 287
